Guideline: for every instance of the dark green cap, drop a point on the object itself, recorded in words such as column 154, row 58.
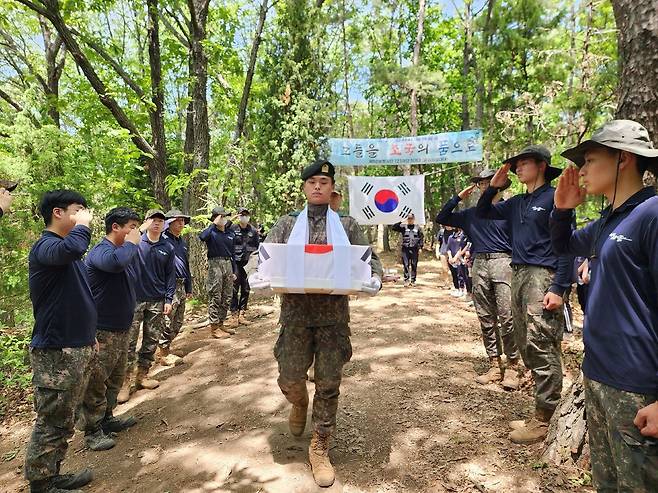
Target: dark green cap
column 538, row 152
column 155, row 213
column 8, row 185
column 320, row 167
column 218, row 211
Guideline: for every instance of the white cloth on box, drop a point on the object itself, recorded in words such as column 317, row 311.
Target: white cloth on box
column 336, row 236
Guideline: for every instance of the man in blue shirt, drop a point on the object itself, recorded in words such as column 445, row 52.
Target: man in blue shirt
column 539, row 279
column 220, row 240
column 63, row 338
column 112, row 282
column 155, row 288
column 492, row 276
column 174, row 235
column 621, row 326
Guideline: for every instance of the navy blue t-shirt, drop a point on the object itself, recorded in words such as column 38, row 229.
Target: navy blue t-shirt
column 112, row 282
column 486, row 236
column 220, row 243
column 157, row 279
column 456, row 242
column 181, row 261
column 527, row 215
column 62, row 301
column 621, row 323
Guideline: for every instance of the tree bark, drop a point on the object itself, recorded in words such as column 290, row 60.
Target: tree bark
column 479, row 88
column 158, row 163
column 467, row 55
column 55, row 56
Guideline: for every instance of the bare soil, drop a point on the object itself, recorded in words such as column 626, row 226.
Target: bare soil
column 411, row 418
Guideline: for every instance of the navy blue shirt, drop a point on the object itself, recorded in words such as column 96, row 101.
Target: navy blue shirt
column 181, row 260
column 456, row 242
column 219, row 243
column 621, row 323
column 157, row 279
column 63, row 305
column 486, row 236
column 527, row 215
column 112, row 283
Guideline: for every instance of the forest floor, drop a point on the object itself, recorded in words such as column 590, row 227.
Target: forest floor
column 410, row 419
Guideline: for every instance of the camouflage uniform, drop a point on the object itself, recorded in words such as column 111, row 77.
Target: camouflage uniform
column 58, row 379
column 151, row 313
column 173, row 325
column 622, row 459
column 106, row 374
column 492, row 277
column 220, row 288
column 315, row 326
column 538, row 332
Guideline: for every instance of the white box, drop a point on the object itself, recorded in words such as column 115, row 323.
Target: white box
column 318, row 268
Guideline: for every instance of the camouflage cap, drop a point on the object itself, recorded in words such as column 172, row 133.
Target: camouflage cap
column 624, row 135
column 538, row 152
column 8, row 185
column 155, row 213
column 175, row 214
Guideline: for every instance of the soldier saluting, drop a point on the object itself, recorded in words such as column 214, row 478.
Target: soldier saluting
column 316, row 325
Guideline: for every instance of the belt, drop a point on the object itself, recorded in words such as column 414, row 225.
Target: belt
column 489, row 256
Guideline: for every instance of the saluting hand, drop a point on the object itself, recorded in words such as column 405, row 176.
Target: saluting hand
column 6, row 199
column 467, row 191
column 83, row 217
column 133, row 237
column 499, row 180
column 146, row 225
column 569, row 194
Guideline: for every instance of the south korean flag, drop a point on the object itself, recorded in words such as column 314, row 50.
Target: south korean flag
column 387, row 199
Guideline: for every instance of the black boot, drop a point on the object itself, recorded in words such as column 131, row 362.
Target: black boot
column 115, row 424
column 47, row 486
column 73, row 480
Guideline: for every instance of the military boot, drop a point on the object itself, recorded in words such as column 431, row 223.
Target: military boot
column 71, row 481
column 127, row 387
column 512, row 380
column 143, row 382
column 217, row 332
column 242, row 319
column 495, row 373
column 166, row 358
column 115, row 424
column 318, row 455
column 227, row 328
column 297, row 417
column 48, row 486
column 97, row 440
column 534, row 430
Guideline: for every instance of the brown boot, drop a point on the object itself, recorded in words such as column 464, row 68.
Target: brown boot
column 243, row 319
column 495, row 373
column 127, row 387
column 143, row 382
column 161, row 353
column 512, row 380
column 534, row 430
column 297, row 418
column 217, row 332
column 233, row 319
column 318, row 455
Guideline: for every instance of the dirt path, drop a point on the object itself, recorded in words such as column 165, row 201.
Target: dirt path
column 411, row 418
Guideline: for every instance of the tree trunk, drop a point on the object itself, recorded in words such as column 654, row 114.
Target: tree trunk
column 637, row 28
column 197, row 203
column 566, row 442
column 55, row 55
column 466, row 65
column 157, row 165
column 479, row 88
column 346, row 72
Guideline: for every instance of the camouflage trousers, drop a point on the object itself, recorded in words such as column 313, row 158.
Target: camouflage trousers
column 538, row 332
column 492, row 297
column 174, row 322
column 622, row 459
column 220, row 289
column 295, row 350
column 152, row 315
column 106, row 374
column 58, row 380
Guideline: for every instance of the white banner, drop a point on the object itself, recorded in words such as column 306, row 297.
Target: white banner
column 387, row 199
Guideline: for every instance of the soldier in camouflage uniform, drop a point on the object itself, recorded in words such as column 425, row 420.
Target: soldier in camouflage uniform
column 539, row 280
column 621, row 323
column 155, row 288
column 492, row 275
column 220, row 241
column 63, row 338
column 316, row 326
column 112, row 282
